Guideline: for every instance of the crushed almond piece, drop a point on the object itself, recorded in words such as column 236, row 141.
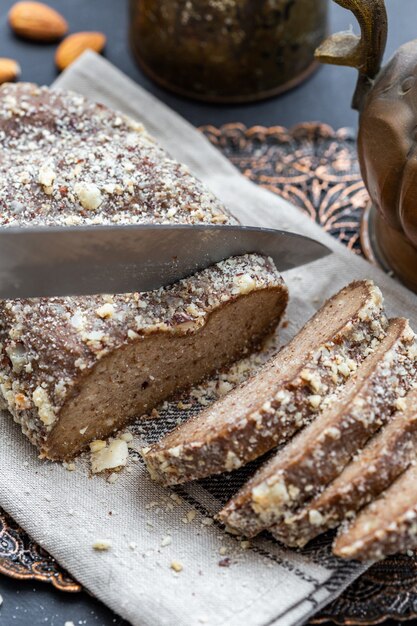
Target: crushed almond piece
column 112, row 456
column 105, row 311
column 191, row 515
column 102, row 545
column 176, row 566
column 97, row 445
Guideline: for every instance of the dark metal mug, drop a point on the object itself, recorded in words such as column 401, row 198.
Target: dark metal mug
column 227, row 50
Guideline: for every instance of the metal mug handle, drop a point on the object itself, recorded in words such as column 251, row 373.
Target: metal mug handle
column 366, row 52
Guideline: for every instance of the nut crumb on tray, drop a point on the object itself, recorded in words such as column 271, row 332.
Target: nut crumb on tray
column 102, row 545
column 176, row 566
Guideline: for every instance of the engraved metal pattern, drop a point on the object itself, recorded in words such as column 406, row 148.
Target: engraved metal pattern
column 23, row 559
column 312, row 166
column 315, row 168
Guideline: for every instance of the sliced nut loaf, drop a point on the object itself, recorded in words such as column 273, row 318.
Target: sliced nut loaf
column 282, row 397
column 320, row 452
column 387, row 526
column 387, row 455
column 75, row 369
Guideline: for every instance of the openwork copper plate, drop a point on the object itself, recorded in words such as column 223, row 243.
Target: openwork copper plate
column 315, row 168
column 21, row 558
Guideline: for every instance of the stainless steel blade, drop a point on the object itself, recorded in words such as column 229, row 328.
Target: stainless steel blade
column 60, row 261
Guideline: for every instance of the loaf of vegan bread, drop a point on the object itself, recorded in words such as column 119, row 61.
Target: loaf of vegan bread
column 319, row 453
column 75, row 369
column 282, row 397
column 387, row 455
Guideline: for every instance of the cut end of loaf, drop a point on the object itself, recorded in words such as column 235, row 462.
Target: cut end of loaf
column 141, row 374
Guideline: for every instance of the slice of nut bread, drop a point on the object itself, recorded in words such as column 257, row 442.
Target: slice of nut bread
column 319, row 453
column 387, row 455
column 387, row 526
column 282, row 397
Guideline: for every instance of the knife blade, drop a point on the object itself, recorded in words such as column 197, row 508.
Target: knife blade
column 87, row 260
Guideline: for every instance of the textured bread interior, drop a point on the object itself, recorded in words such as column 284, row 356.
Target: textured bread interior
column 134, row 379
column 381, row 514
column 386, row 439
column 294, row 452
column 252, row 395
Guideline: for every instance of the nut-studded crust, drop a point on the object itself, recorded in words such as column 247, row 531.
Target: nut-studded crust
column 318, row 455
column 66, row 161
column 387, row 526
column 282, row 398
column 386, row 456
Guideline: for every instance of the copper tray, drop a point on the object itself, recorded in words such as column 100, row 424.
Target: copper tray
column 315, row 168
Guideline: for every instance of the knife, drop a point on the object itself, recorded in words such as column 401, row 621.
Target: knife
column 64, row 261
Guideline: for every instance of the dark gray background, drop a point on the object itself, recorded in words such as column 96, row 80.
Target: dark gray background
column 325, row 97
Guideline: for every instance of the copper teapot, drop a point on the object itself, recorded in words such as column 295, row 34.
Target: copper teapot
column 387, row 143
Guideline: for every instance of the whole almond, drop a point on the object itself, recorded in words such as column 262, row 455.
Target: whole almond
column 9, row 70
column 72, row 46
column 37, row 21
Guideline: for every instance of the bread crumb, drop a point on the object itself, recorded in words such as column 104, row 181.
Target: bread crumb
column 83, row 430
column 223, row 550
column 166, row 541
column 245, row 545
column 176, row 566
column 114, row 476
column 191, row 515
column 133, row 546
column 102, row 545
column 176, row 498
column 183, row 406
column 70, row 467
column 128, row 437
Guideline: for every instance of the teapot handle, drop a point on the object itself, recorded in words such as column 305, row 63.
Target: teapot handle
column 366, row 52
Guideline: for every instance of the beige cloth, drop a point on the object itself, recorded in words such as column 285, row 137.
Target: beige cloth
column 66, row 512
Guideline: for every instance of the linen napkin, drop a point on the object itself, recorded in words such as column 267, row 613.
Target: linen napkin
column 222, row 581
